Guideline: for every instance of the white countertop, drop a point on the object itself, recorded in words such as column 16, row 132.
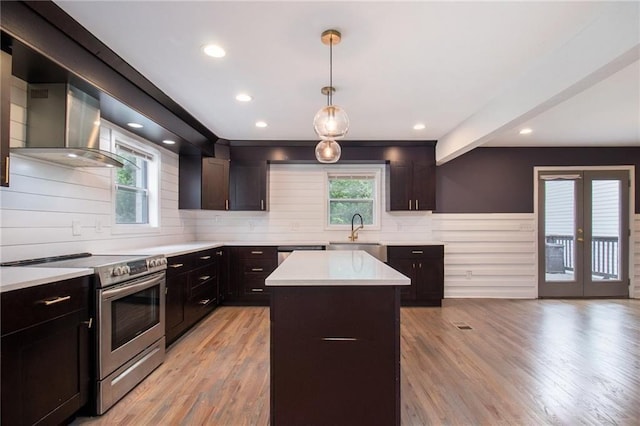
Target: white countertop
column 334, row 268
column 17, row 277
column 172, row 249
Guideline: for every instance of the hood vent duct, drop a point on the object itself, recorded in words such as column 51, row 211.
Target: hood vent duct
column 63, row 126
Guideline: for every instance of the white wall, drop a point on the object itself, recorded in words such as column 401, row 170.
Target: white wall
column 43, row 199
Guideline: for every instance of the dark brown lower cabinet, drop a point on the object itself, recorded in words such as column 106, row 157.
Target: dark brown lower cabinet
column 425, row 266
column 45, row 353
column 192, row 290
column 249, row 266
column 335, row 355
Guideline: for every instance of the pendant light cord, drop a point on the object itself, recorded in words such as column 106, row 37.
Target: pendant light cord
column 330, row 95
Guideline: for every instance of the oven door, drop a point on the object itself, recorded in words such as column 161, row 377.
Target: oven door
column 131, row 318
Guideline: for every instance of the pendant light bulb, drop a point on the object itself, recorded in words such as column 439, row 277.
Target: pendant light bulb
column 328, row 151
column 331, row 122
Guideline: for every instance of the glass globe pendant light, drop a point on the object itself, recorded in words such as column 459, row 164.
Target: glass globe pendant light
column 328, row 151
column 331, row 122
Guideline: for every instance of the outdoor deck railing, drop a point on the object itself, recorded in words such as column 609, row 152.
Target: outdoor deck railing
column 604, row 254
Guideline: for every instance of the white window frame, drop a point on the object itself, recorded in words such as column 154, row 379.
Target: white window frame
column 366, row 170
column 126, row 139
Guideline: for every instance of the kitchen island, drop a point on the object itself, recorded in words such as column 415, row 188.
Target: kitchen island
column 335, row 340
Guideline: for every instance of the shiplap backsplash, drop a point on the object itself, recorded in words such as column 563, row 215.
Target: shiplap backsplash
column 44, row 199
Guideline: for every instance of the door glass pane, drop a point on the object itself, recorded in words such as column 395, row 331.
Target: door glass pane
column 559, row 230
column 605, row 259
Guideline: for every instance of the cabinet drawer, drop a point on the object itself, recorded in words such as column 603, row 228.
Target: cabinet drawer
column 258, row 252
column 204, row 258
column 375, row 316
column 179, row 264
column 258, row 266
column 26, row 307
column 254, row 286
column 202, row 275
column 414, row 252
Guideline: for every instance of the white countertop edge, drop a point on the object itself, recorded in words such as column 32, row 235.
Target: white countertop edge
column 19, row 277
column 336, row 283
column 170, row 250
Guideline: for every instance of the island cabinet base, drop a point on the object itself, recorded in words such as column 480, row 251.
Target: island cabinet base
column 335, row 355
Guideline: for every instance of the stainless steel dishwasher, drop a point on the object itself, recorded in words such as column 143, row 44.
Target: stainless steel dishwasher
column 285, row 251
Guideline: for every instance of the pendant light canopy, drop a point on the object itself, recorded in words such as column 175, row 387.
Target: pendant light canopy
column 331, row 122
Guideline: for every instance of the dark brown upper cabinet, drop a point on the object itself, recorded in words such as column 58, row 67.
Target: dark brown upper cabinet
column 5, row 107
column 215, row 184
column 411, row 185
column 248, row 186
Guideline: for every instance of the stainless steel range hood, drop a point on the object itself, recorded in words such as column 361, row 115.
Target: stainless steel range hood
column 63, row 126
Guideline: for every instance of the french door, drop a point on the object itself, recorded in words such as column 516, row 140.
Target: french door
column 583, row 233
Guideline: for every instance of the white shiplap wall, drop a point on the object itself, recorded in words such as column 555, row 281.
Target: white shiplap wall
column 488, row 255
column 44, row 199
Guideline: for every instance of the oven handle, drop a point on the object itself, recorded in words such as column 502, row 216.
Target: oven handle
column 133, row 287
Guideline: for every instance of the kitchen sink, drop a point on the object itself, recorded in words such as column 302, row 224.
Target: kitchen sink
column 376, row 250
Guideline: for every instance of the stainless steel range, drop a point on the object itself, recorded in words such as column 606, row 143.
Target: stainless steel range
column 129, row 316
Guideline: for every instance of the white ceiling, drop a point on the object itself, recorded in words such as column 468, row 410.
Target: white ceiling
column 473, row 72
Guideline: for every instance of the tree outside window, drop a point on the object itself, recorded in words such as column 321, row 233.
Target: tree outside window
column 349, row 195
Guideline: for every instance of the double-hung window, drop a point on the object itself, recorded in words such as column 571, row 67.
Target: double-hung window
column 132, row 186
column 135, row 198
column 351, row 193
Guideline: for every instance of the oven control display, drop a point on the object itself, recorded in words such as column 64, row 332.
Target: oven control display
column 137, row 267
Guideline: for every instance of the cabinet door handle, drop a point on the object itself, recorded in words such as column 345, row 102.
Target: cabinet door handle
column 420, row 265
column 205, row 257
column 226, row 204
column 261, row 204
column 55, row 300
column 414, row 266
column 176, row 265
column 204, row 302
column 409, row 204
column 89, row 323
column 257, row 290
column 417, row 252
column 417, row 208
column 204, row 277
column 219, row 253
column 256, row 252
column 339, row 339
column 6, row 169
column 257, row 269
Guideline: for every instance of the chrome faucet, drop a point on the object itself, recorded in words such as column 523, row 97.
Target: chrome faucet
column 354, row 232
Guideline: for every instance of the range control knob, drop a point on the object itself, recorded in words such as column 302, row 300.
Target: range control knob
column 163, row 260
column 153, row 263
column 119, row 270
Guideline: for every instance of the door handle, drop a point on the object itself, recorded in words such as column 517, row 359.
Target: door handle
column 580, row 239
column 205, row 257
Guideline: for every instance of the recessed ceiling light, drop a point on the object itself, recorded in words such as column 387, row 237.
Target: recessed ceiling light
column 243, row 97
column 72, row 155
column 214, row 51
column 525, row 131
column 261, row 124
column 96, row 123
column 168, row 142
column 419, row 126
column 135, row 125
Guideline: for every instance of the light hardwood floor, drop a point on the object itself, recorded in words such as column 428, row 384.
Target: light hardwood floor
column 524, row 362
